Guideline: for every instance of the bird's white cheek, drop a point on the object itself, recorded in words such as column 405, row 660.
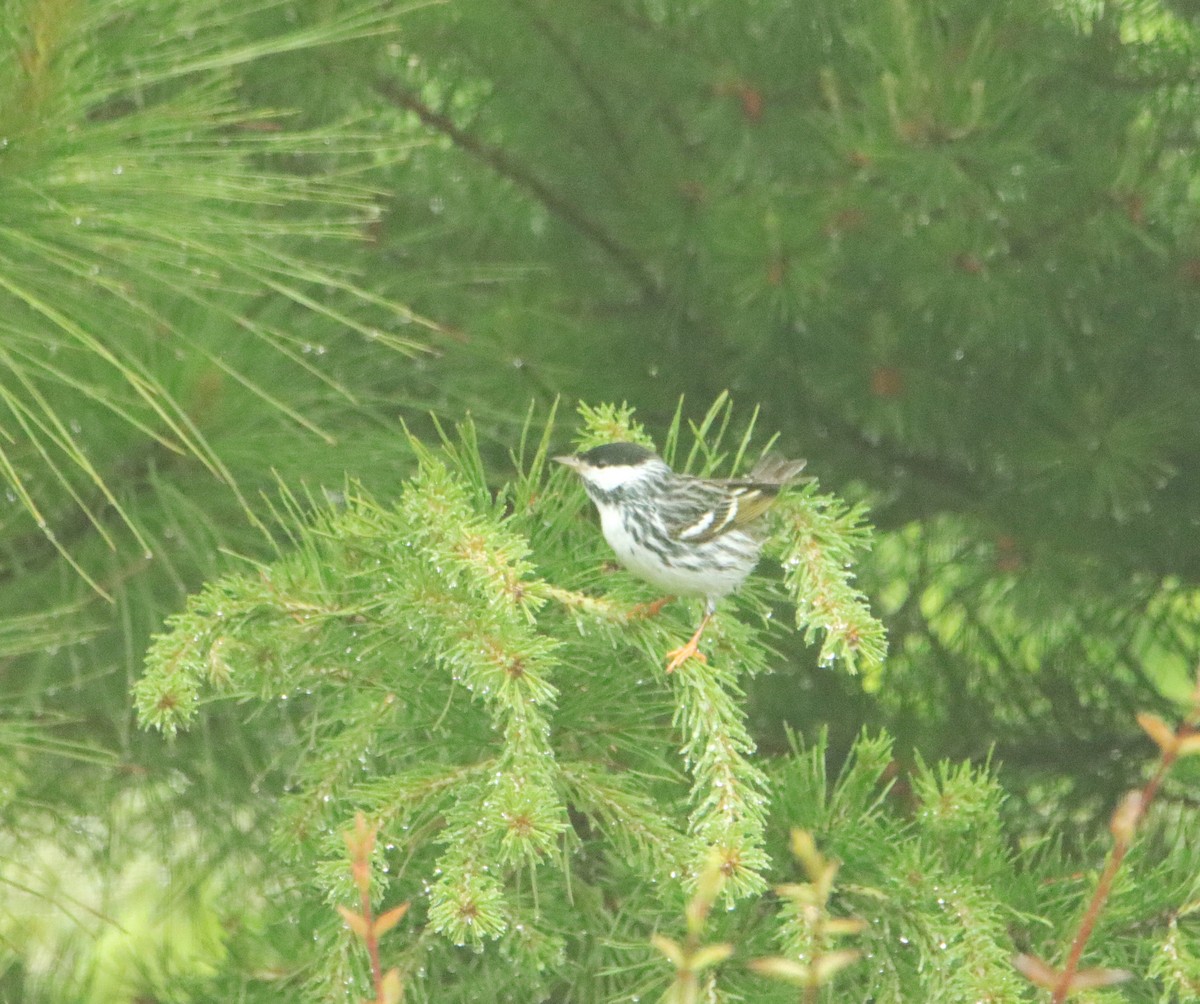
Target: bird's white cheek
column 609, row 478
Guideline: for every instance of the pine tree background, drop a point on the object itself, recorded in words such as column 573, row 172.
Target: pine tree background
column 296, row 300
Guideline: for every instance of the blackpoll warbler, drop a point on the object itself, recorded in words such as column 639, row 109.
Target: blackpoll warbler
column 689, row 536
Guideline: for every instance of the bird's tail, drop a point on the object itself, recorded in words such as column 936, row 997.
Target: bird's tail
column 774, row 469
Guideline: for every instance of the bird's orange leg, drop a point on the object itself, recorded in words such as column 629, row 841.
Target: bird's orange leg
column 640, row 611
column 691, row 649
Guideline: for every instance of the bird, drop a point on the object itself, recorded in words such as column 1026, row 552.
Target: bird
column 686, row 535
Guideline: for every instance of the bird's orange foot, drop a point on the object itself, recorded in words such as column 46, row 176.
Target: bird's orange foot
column 679, row 656
column 640, row 611
column 691, row 650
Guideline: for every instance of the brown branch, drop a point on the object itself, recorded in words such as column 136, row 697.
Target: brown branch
column 506, row 166
column 360, row 843
column 561, row 45
column 1124, row 827
column 1172, row 743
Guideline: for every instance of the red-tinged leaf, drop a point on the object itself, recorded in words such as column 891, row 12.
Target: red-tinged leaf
column 752, row 102
column 360, row 841
column 801, row 893
column 365, row 834
column 1163, row 735
column 670, row 949
column 391, row 990
column 386, row 921
column 777, row 968
column 805, row 848
column 708, row 887
column 824, row 882
column 1124, row 820
column 845, row 925
column 1037, row 972
column 1094, row 979
column 709, row 955
column 1189, row 744
column 1048, row 978
column 355, row 921
column 826, row 966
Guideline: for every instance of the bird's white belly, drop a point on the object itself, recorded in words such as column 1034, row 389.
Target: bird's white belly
column 712, row 568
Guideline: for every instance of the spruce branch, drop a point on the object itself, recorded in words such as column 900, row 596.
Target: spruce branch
column 729, row 793
column 627, row 814
column 421, row 648
column 820, row 539
column 938, row 883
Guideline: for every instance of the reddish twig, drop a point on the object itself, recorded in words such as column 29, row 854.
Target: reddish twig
column 360, row 843
column 1172, row 744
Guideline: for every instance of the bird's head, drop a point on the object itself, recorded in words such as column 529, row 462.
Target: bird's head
column 616, row 466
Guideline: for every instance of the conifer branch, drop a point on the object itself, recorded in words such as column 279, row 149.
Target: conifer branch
column 424, row 655
column 729, row 793
column 138, row 193
column 607, row 115
column 505, row 165
column 820, row 537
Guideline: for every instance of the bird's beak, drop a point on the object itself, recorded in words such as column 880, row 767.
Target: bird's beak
column 567, row 461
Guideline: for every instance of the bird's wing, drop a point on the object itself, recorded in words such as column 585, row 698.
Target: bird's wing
column 701, row 510
column 705, row 510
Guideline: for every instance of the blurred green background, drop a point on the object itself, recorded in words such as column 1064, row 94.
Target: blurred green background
column 949, row 249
